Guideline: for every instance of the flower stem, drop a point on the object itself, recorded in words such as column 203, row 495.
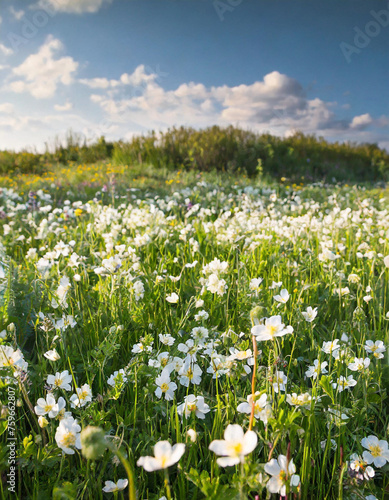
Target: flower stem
column 167, row 485
column 253, row 380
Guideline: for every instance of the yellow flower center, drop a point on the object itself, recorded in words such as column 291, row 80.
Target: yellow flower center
column 83, row 395
column 373, row 348
column 192, row 406
column 375, row 450
column 272, row 330
column 237, row 448
column 163, row 361
column 164, row 387
column 48, row 408
column 190, row 374
column 283, row 476
column 57, row 382
column 69, row 439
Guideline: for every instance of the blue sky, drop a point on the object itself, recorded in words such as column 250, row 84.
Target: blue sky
column 122, row 67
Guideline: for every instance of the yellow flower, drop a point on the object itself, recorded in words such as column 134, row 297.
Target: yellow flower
column 78, row 212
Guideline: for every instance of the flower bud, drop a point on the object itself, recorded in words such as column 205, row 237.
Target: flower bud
column 93, row 443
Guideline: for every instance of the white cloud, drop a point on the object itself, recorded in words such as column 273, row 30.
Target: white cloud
column 6, row 108
column 139, row 78
column 361, row 122
column 17, row 14
column 64, row 107
column 42, row 72
column 278, row 104
column 5, row 50
column 99, row 83
column 74, row 6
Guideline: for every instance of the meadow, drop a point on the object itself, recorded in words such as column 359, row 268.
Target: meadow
column 189, row 335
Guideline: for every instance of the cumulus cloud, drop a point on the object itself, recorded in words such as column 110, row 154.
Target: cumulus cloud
column 278, row 104
column 5, row 50
column 41, row 73
column 6, row 108
column 361, row 122
column 63, row 107
column 74, row 6
column 138, row 78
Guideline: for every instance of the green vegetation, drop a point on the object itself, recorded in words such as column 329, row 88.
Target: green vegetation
column 299, row 157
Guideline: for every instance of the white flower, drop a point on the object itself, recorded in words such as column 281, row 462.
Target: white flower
column 173, row 298
column 283, row 297
column 235, row 446
column 199, row 303
column 199, row 334
column 137, row 348
column 83, row 396
column 329, row 347
column 139, row 290
column 376, row 348
column 190, row 373
column 299, row 399
column 359, row 465
column 216, row 285
column 316, row 369
column 201, row 316
column 272, row 328
column 359, row 364
column 344, row 383
column 194, row 404
column 255, row 284
column 378, row 453
column 275, row 285
column 279, row 380
column 111, row 487
column 262, row 408
column 52, row 355
column 49, row 406
column 386, row 261
column 117, row 378
column 281, row 472
column 165, row 455
column 310, row 314
column 67, row 435
column 60, row 380
column 166, row 339
column 192, row 434
column 165, row 385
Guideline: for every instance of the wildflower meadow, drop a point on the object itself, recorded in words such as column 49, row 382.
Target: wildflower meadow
column 191, row 337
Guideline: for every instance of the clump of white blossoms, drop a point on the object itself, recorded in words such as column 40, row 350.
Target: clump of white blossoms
column 376, row 348
column 165, row 455
column 378, row 452
column 213, row 281
column 360, row 466
column 272, row 328
column 68, row 435
column 235, row 446
column 193, row 404
column 282, row 474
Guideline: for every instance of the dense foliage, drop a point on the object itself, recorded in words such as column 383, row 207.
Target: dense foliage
column 299, row 157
